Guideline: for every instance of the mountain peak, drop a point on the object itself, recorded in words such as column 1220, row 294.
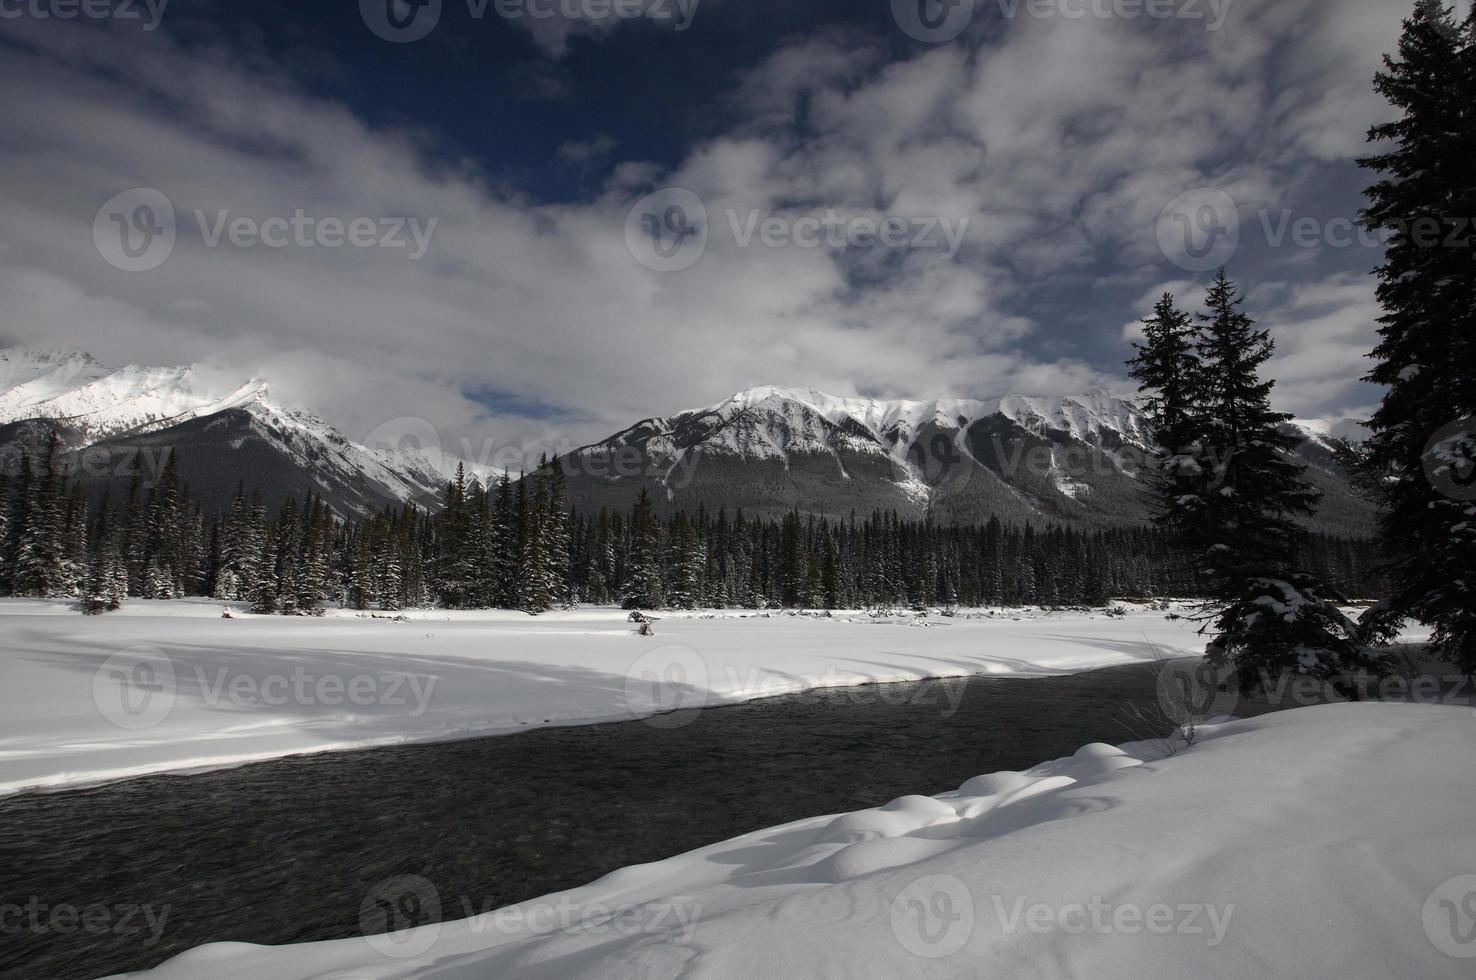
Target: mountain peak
column 47, row 355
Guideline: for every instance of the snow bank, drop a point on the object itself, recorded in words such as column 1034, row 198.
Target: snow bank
column 164, row 686
column 1332, row 841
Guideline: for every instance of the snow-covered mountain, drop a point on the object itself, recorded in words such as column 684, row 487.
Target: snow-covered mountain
column 1071, row 459
column 768, row 450
column 97, row 402
column 224, row 433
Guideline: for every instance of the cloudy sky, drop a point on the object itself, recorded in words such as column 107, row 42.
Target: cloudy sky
column 627, row 209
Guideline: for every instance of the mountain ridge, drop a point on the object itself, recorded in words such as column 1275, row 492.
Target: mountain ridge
column 1044, row 458
column 768, row 449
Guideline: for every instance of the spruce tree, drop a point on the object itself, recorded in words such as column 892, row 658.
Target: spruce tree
column 40, row 562
column 556, row 536
column 1272, row 616
column 263, row 588
column 1168, row 371
column 643, row 567
column 1422, row 453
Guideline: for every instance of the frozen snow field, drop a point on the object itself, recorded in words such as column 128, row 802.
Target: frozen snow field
column 161, row 686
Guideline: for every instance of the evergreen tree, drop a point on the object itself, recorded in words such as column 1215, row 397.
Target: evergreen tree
column 40, row 567
column 1168, row 371
column 1423, row 448
column 643, row 568
column 556, row 536
column 1272, row 616
column 263, row 587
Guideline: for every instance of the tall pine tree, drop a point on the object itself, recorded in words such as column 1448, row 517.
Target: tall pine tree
column 1423, row 449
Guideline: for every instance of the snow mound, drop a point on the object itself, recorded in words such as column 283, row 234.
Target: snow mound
column 1324, row 841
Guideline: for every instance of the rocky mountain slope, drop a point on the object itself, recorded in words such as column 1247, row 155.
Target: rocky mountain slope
column 1072, row 459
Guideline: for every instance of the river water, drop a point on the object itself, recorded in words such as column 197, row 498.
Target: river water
column 286, row 851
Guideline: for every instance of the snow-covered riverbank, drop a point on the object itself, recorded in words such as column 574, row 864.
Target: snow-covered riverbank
column 1330, row 841
column 162, row 686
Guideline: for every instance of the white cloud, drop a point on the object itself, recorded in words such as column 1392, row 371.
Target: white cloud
column 1058, row 142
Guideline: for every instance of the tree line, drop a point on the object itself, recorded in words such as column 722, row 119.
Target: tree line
column 515, row 545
